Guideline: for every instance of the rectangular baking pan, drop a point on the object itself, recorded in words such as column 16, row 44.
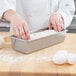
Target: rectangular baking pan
column 35, row 44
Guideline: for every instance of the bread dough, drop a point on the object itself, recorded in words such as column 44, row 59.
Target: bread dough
column 1, row 41
column 71, row 58
column 60, row 57
column 42, row 34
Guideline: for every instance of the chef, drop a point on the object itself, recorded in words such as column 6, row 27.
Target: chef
column 27, row 16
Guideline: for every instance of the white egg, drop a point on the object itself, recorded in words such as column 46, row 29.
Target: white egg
column 60, row 57
column 1, row 42
column 71, row 58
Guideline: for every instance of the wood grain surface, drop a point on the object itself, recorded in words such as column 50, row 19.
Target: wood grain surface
column 13, row 63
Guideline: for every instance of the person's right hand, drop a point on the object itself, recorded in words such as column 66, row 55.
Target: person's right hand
column 18, row 25
column 20, row 28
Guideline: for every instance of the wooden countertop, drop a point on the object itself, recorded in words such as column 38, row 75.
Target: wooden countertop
column 39, row 63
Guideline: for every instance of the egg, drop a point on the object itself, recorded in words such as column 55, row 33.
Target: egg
column 71, row 58
column 60, row 57
column 1, row 42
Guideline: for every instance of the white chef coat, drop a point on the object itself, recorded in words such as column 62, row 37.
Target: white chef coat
column 37, row 12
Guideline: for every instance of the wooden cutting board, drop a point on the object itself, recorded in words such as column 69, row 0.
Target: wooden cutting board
column 39, row 63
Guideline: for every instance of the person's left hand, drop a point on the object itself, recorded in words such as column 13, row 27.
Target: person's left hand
column 56, row 22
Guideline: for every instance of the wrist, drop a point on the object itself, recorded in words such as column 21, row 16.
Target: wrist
column 8, row 15
column 60, row 16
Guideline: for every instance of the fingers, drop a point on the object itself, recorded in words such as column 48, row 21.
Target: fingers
column 60, row 25
column 16, row 31
column 20, row 28
column 50, row 26
column 53, row 25
column 57, row 23
column 22, row 31
column 57, row 26
column 26, row 30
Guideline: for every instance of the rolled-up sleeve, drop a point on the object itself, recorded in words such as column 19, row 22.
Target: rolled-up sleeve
column 67, row 9
column 6, row 5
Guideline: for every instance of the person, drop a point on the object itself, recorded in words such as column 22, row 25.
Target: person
column 27, row 16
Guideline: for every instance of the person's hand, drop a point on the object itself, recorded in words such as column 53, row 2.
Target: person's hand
column 20, row 28
column 18, row 25
column 56, row 22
